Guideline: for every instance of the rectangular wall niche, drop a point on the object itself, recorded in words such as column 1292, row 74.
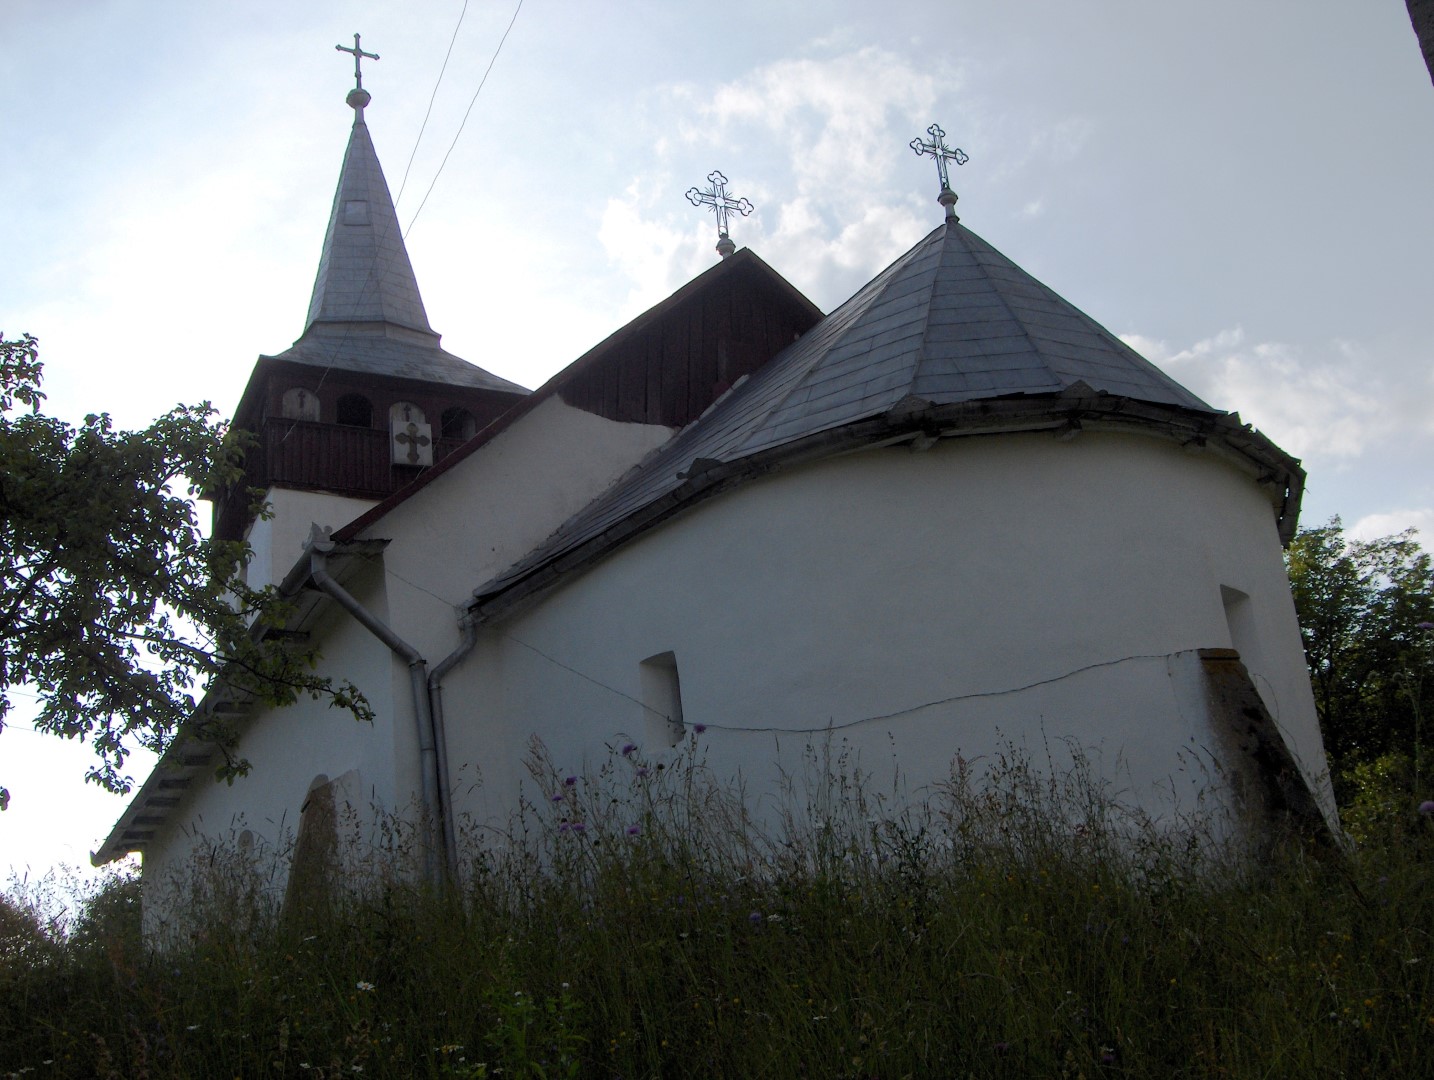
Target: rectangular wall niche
column 662, row 700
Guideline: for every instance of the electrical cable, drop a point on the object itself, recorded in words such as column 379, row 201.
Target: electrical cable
column 432, row 98
column 459, row 132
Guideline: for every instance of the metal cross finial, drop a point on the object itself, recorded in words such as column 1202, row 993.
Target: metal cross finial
column 938, row 149
column 358, row 55
column 721, row 204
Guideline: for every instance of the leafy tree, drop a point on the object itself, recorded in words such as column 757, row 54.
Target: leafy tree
column 115, row 608
column 1366, row 610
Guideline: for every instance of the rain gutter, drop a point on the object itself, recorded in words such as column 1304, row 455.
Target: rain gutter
column 437, row 825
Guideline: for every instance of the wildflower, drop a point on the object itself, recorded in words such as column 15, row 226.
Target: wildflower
column 364, row 986
column 558, row 796
column 644, row 771
column 755, row 918
column 578, row 827
column 1425, row 625
column 633, row 830
column 1107, row 1057
column 569, row 781
column 1426, row 808
column 628, row 749
column 699, row 728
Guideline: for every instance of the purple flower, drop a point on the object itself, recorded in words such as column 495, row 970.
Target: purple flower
column 1426, row 626
column 1107, row 1057
column 628, row 749
column 633, row 830
column 644, row 771
column 699, row 728
column 569, row 781
column 565, row 827
column 578, row 826
column 559, row 797
column 1426, row 808
column 755, row 918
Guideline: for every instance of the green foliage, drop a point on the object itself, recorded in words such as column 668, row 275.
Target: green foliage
column 114, row 606
column 27, row 939
column 1025, row 926
column 109, row 917
column 1366, row 611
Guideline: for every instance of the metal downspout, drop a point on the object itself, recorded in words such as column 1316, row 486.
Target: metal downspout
column 440, row 733
column 418, row 681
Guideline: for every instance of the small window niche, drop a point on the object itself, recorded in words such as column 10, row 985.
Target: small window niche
column 354, row 410
column 1239, row 617
column 300, row 404
column 662, row 699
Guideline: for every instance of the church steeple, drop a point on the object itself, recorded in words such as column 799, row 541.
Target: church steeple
column 364, row 273
column 366, row 398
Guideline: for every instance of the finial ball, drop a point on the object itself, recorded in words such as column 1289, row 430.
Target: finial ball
column 358, row 98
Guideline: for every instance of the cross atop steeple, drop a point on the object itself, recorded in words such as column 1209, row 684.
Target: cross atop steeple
column 720, row 203
column 938, row 149
column 358, row 55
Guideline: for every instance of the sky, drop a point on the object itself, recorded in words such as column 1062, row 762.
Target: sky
column 1240, row 190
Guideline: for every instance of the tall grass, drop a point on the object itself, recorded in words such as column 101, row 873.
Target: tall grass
column 636, row 923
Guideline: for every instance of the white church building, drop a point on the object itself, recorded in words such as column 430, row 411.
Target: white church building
column 953, row 515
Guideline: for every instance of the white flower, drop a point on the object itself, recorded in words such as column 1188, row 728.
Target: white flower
column 364, row 986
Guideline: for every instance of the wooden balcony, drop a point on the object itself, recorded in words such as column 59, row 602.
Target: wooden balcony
column 311, row 456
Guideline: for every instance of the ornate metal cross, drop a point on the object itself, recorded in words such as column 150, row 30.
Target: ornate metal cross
column 411, row 437
column 358, row 55
column 938, row 149
column 721, row 204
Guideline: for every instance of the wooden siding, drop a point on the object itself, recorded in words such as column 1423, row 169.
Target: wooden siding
column 312, row 456
column 670, row 369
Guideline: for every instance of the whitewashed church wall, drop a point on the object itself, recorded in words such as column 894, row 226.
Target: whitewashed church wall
column 288, row 749
column 480, row 517
column 278, row 541
column 988, row 592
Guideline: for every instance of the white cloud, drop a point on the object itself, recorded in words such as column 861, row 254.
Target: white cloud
column 835, row 115
column 1312, row 406
column 1387, row 523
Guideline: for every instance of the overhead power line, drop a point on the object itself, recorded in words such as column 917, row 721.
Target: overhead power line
column 432, row 98
column 459, row 132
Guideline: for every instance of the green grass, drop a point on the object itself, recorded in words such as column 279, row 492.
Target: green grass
column 1020, row 928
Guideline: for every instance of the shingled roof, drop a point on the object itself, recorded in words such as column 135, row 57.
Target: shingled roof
column 952, row 327
column 366, row 314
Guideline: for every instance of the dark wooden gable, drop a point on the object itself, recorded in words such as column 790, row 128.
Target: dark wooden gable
column 668, row 365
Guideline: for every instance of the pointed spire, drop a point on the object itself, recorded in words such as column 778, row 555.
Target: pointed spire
column 364, row 273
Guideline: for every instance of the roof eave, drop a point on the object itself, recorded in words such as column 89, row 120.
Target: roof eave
column 1224, row 434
